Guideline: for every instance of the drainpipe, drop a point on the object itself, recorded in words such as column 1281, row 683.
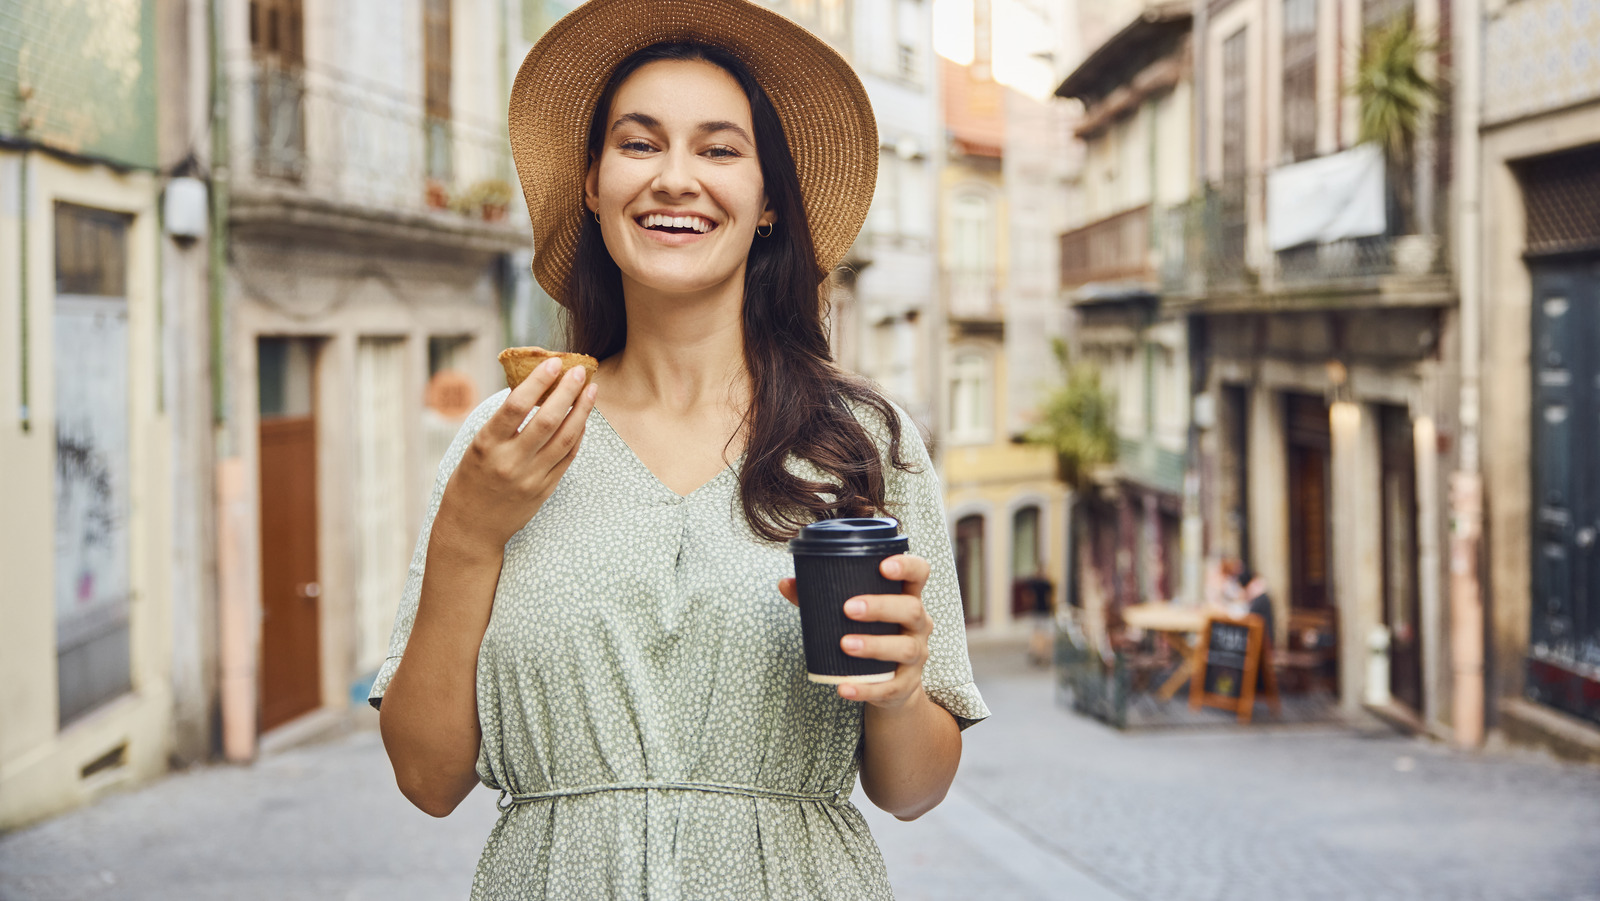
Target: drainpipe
column 24, row 414
column 236, row 629
column 1466, row 483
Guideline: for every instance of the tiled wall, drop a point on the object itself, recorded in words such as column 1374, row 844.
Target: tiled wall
column 1541, row 55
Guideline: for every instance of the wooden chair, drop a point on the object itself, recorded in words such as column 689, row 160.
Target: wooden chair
column 1309, row 661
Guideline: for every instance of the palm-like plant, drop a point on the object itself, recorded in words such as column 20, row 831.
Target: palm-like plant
column 1076, row 422
column 1394, row 95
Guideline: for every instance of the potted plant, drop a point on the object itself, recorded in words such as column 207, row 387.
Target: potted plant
column 488, row 198
column 1395, row 95
column 435, row 193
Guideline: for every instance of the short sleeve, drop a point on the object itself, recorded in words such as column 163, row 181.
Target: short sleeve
column 916, row 498
column 407, row 613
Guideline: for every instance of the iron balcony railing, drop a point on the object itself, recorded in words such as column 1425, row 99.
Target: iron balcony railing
column 1205, row 241
column 341, row 138
column 1215, row 243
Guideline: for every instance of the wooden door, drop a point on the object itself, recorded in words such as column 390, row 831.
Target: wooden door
column 290, row 672
column 1310, row 443
column 1401, row 602
column 1564, row 639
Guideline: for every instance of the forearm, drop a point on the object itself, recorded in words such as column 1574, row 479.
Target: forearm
column 909, row 756
column 429, row 716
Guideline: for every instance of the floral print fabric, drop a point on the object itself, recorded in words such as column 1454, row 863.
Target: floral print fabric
column 643, row 695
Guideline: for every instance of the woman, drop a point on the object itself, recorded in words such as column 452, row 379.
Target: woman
column 594, row 622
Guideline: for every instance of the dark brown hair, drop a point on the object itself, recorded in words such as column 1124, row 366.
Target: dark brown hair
column 801, row 402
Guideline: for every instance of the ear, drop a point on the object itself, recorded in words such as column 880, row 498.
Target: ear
column 591, row 187
column 768, row 214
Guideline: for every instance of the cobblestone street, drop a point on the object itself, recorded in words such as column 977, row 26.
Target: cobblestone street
column 1047, row 806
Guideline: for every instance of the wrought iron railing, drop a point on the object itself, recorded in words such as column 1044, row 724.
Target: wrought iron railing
column 1204, row 242
column 340, row 138
column 1206, row 246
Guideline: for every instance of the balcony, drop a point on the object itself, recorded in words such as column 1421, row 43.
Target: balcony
column 972, row 299
column 1217, row 257
column 317, row 149
column 1115, row 249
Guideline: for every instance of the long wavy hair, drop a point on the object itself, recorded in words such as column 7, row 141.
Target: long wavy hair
column 801, row 402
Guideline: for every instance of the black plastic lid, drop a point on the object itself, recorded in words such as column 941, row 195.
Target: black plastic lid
column 856, row 535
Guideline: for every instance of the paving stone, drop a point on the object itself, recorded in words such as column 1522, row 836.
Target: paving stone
column 1047, row 805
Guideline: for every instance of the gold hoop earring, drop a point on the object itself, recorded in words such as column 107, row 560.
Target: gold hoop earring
column 596, row 215
column 768, row 233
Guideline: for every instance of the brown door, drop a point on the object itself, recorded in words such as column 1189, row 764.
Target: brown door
column 290, row 590
column 1310, row 444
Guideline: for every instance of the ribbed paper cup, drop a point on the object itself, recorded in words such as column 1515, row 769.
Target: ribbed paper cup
column 834, row 561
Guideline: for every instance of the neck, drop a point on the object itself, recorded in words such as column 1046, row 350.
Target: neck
column 684, row 352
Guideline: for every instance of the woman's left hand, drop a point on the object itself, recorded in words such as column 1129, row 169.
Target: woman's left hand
column 909, row 649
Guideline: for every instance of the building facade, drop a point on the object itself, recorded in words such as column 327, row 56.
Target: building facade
column 1323, row 325
column 1007, row 511
column 85, row 434
column 1136, row 91
column 370, row 242
column 1531, row 372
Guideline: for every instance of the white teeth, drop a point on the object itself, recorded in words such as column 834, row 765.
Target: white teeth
column 657, row 220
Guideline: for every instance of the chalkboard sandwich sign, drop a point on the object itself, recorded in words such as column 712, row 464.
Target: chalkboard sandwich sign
column 1232, row 658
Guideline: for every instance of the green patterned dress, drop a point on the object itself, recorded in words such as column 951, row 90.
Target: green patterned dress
column 642, row 691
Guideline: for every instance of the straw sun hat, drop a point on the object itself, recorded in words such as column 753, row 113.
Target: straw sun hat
column 824, row 109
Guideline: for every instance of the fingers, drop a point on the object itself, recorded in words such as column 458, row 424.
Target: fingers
column 789, row 592
column 904, row 649
column 520, row 402
column 562, row 446
column 903, row 609
column 901, row 689
column 555, row 407
column 911, row 569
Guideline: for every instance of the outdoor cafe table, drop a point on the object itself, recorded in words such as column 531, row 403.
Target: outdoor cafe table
column 1174, row 624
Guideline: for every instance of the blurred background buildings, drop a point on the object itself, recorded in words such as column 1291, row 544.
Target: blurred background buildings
column 256, row 258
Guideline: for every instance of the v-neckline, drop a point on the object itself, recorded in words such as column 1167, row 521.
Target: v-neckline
column 650, row 473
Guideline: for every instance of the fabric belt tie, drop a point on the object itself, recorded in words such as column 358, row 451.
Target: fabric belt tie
column 509, row 800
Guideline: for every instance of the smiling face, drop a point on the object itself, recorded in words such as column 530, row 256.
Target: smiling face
column 677, row 184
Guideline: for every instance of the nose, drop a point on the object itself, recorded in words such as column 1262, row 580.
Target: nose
column 675, row 177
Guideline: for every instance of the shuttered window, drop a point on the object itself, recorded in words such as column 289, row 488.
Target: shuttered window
column 1299, row 79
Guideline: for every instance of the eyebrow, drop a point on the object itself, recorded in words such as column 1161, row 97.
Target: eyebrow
column 704, row 128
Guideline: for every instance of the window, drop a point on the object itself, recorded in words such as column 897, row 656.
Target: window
column 972, row 234
column 277, row 50
column 275, row 32
column 1299, row 79
column 970, row 399
column 92, row 575
column 436, row 87
column 1171, row 386
column 1234, row 95
column 1131, row 392
column 1025, row 562
column 969, row 566
column 884, row 215
column 910, row 35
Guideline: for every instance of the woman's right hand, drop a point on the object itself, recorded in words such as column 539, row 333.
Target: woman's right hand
column 509, row 471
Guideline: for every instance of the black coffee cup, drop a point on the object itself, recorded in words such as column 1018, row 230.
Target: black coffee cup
column 834, row 561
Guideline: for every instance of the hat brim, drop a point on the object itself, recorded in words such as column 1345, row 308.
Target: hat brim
column 824, row 109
